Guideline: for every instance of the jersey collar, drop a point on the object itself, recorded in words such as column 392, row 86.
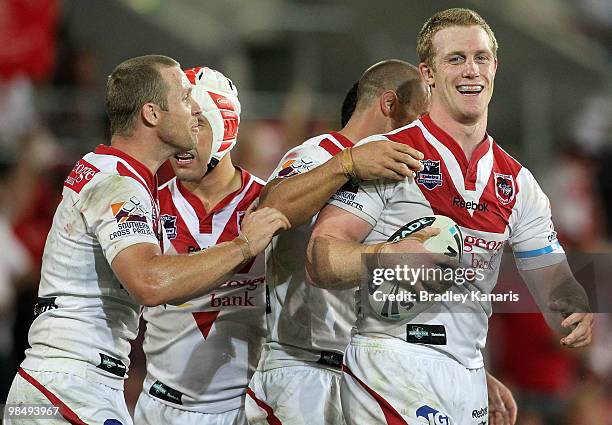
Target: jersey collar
column 454, row 146
column 140, row 168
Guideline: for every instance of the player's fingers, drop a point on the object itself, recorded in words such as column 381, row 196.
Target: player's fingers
column 391, row 174
column 408, row 150
column 253, row 206
column 275, row 216
column 424, row 234
column 399, row 168
column 505, row 416
column 576, row 318
column 510, row 405
column 412, row 163
column 580, row 333
column 581, row 344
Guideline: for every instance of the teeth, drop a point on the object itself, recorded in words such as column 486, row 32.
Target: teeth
column 184, row 156
column 470, row 89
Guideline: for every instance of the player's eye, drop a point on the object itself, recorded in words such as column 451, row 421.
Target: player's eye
column 455, row 59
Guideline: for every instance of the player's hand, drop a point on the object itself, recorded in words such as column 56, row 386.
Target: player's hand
column 259, row 226
column 502, row 406
column 578, row 319
column 582, row 333
column 415, row 255
column 387, row 159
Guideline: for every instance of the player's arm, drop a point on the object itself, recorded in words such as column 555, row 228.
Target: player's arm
column 563, row 302
column 544, row 268
column 333, row 257
column 301, row 196
column 155, row 279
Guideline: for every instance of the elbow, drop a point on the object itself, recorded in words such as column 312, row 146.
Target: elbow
column 314, row 272
column 147, row 291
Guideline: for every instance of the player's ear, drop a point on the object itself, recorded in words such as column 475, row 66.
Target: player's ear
column 150, row 114
column 427, row 74
column 388, row 103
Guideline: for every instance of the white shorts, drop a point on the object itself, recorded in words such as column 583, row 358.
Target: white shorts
column 150, row 411
column 294, row 395
column 79, row 401
column 387, row 381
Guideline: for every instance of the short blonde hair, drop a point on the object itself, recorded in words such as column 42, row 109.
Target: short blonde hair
column 449, row 18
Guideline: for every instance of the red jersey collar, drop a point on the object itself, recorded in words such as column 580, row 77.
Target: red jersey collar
column 140, row 168
column 197, row 204
column 454, row 146
column 344, row 141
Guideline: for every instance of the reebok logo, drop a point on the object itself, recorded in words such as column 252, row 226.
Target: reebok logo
column 470, row 205
column 477, row 414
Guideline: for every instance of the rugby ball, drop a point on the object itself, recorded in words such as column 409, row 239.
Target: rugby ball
column 389, row 300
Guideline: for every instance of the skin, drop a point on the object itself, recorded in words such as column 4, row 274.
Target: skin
column 502, row 406
column 463, row 61
column 152, row 278
column 302, row 196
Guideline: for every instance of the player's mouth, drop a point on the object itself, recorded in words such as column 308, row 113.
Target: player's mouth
column 195, row 128
column 184, row 159
column 470, row 89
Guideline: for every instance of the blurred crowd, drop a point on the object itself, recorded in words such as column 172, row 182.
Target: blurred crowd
column 51, row 113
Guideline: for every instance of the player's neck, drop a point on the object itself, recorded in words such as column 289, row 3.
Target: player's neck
column 361, row 126
column 143, row 150
column 467, row 135
column 217, row 184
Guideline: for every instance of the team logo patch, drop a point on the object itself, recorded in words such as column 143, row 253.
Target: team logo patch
column 432, row 416
column 169, row 225
column 504, row 188
column 430, row 177
column 292, row 167
column 131, row 210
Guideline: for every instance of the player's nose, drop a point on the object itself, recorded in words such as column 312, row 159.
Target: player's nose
column 195, row 107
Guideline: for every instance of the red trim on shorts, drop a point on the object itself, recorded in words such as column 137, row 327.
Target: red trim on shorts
column 391, row 415
column 271, row 418
column 65, row 411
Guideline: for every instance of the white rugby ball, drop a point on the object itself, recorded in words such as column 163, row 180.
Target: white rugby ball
column 388, row 299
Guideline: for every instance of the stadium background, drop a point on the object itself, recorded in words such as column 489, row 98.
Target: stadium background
column 293, row 61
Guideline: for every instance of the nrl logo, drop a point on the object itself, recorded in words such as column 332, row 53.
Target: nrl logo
column 430, row 177
column 504, row 188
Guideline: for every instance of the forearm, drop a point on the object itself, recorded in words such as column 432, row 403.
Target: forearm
column 302, row 196
column 334, row 263
column 557, row 294
column 175, row 279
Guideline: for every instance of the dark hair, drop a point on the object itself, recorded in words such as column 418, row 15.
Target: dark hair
column 349, row 104
column 133, row 83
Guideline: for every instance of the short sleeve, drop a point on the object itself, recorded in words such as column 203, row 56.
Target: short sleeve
column 366, row 201
column 300, row 159
column 118, row 211
column 533, row 238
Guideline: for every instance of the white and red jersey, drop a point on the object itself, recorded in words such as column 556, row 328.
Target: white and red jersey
column 304, row 321
column 201, row 354
column 85, row 319
column 491, row 197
